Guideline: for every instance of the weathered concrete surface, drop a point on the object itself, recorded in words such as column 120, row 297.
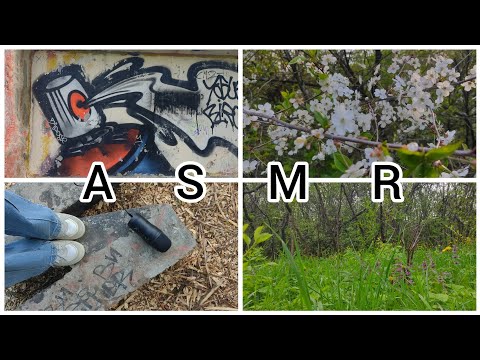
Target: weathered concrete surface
column 17, row 111
column 57, row 196
column 60, row 197
column 117, row 261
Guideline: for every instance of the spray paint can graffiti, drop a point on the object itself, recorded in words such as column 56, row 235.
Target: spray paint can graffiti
column 62, row 96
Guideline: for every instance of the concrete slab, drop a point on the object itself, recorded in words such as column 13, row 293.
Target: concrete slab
column 56, row 196
column 60, row 197
column 117, row 261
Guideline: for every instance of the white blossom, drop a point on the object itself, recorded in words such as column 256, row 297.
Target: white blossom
column 392, row 69
column 247, row 120
column 447, row 139
column 266, row 109
column 343, row 120
column 441, row 66
column 356, row 170
column 320, row 156
column 399, row 82
column 364, row 121
column 318, row 133
column 300, row 142
column 330, row 147
column 328, row 59
column 444, row 88
column 455, row 173
column 376, row 154
column 413, row 146
column 249, row 166
column 380, row 93
column 469, row 85
column 294, row 102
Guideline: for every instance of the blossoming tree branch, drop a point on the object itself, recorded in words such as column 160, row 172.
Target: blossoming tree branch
column 343, row 110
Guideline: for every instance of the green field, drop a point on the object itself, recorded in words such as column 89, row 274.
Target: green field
column 367, row 280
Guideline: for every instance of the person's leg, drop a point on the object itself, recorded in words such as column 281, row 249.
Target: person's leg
column 27, row 258
column 26, row 219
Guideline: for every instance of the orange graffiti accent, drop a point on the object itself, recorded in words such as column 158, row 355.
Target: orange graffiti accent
column 77, row 99
column 110, row 154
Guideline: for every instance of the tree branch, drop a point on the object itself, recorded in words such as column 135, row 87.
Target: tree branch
column 273, row 120
column 255, row 189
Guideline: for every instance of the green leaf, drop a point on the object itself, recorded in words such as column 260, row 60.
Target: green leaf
column 257, row 232
column 425, row 170
column 366, row 135
column 262, row 238
column 438, row 297
column 323, row 76
column 247, row 239
column 385, row 150
column 456, row 288
column 442, row 152
column 341, row 162
column 410, row 158
column 245, row 227
column 296, row 60
column 425, row 302
column 319, row 118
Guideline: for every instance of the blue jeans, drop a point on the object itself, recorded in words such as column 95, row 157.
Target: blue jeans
column 30, row 255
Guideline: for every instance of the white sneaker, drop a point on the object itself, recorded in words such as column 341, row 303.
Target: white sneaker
column 72, row 227
column 68, row 252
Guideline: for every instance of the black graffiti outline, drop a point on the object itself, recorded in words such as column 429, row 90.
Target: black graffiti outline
column 167, row 130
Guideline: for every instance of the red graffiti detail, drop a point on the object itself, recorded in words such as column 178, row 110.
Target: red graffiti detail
column 110, row 154
column 77, row 99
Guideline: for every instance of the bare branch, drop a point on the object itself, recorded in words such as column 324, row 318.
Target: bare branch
column 255, row 189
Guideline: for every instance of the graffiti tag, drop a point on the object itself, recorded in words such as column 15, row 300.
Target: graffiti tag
column 218, row 109
column 54, row 126
column 113, row 279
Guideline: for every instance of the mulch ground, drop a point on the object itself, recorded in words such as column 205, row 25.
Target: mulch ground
column 207, row 279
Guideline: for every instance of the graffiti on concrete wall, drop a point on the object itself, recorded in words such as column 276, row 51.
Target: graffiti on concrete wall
column 197, row 116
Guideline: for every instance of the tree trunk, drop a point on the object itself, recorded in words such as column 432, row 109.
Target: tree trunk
column 382, row 225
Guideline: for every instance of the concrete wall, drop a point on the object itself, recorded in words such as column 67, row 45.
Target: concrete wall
column 17, row 112
column 142, row 114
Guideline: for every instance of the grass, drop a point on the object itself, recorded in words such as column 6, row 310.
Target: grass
column 367, row 280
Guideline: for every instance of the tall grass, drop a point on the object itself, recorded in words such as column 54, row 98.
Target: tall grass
column 376, row 279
